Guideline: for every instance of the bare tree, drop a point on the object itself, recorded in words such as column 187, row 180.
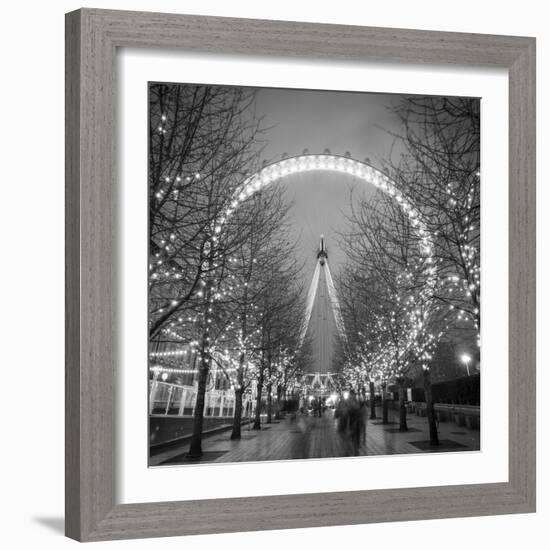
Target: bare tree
column 281, row 310
column 203, row 141
column 440, row 173
column 391, row 314
column 264, row 216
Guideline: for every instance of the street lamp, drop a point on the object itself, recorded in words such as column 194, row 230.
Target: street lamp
column 466, row 359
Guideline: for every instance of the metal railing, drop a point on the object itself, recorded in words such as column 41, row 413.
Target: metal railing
column 174, row 400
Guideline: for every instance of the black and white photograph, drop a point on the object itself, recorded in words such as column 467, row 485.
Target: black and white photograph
column 314, row 274
column 272, row 283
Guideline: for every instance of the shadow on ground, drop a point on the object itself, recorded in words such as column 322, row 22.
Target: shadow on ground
column 54, row 524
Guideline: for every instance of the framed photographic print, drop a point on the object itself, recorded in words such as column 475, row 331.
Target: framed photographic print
column 300, row 275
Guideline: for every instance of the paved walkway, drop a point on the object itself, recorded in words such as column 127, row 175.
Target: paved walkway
column 310, row 437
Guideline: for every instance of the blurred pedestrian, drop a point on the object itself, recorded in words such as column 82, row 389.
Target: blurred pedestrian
column 341, row 415
column 355, row 421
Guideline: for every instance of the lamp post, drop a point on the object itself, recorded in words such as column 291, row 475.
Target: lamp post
column 466, row 359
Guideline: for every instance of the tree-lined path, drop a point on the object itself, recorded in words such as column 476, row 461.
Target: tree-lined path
column 240, row 330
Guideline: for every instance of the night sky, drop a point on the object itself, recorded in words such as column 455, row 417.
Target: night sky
column 352, row 122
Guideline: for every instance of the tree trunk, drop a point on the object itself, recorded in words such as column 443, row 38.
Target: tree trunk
column 257, row 418
column 434, row 438
column 195, row 447
column 238, row 416
column 372, row 403
column 385, row 419
column 269, row 403
column 402, row 409
column 278, row 403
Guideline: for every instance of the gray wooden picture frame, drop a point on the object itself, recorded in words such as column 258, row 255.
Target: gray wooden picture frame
column 92, row 39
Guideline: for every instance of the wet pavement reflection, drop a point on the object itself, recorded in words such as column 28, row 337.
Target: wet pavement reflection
column 336, row 433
